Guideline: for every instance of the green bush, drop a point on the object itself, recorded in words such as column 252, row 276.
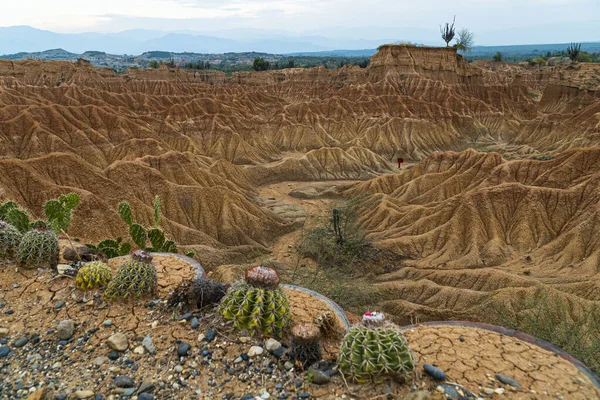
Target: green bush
column 574, row 327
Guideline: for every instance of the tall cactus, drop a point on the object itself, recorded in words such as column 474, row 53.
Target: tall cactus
column 337, row 228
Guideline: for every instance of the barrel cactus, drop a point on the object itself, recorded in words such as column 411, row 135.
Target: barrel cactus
column 10, row 237
column 258, row 304
column 93, row 275
column 133, row 278
column 371, row 352
column 306, row 344
column 38, row 248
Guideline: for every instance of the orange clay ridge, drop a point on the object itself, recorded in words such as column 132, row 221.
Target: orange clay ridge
column 497, row 198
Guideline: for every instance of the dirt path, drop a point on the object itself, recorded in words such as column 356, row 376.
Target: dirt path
column 276, row 197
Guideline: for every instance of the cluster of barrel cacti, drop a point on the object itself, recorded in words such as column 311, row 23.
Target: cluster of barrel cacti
column 258, row 304
column 35, row 244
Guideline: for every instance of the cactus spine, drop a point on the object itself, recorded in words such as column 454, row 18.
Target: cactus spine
column 39, row 247
column 10, row 237
column 134, row 278
column 369, row 353
column 93, row 275
column 258, row 304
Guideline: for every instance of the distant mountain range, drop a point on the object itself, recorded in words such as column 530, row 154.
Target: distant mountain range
column 27, row 39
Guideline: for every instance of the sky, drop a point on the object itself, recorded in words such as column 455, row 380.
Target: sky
column 492, row 21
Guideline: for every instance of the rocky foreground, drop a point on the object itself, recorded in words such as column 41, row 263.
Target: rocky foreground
column 60, row 343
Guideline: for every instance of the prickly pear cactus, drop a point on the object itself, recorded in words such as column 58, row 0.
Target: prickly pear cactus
column 10, row 237
column 93, row 275
column 132, row 279
column 38, row 248
column 371, row 353
column 257, row 305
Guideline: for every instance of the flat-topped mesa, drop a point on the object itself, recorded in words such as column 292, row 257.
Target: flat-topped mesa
column 440, row 63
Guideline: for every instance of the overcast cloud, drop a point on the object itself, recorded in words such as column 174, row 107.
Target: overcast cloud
column 493, row 21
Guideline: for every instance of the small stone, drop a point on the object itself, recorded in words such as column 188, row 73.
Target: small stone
column 146, row 387
column 434, row 372
column 59, row 305
column 210, row 335
column 318, row 377
column 145, row 396
column 108, row 322
column 185, row 317
column 124, row 381
column 139, row 350
column 148, row 344
column 113, row 355
column 499, row 390
column 449, row 391
column 255, row 351
column 195, row 324
column 272, row 345
column 288, row 365
column 4, row 332
column 488, row 390
column 508, row 381
column 201, row 337
column 182, row 349
column 4, row 351
column 386, row 391
column 20, row 342
column 304, row 395
column 128, row 392
column 178, row 368
column 462, row 339
column 84, row 394
column 61, row 396
column 65, row 329
column 245, row 339
column 265, row 395
column 279, row 352
column 100, row 360
column 118, row 342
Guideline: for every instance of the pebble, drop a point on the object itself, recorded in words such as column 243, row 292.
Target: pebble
column 182, row 349
column 100, row 360
column 488, row 390
column 59, row 305
column 146, row 387
column 255, row 351
column 4, row 351
column 272, row 345
column 65, row 329
column 319, row 377
column 124, row 381
column 178, row 368
column 186, row 317
column 4, row 332
column 108, row 322
column 499, row 391
column 195, row 324
column 449, row 391
column 118, row 342
column 201, row 337
column 148, row 344
column 245, row 339
column 20, row 342
column 508, row 381
column 434, row 372
column 84, row 394
column 139, row 350
column 113, row 355
column 145, row 396
column 211, row 334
